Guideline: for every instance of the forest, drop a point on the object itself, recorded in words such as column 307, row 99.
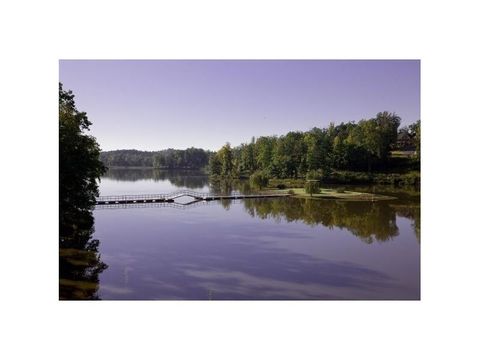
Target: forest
column 369, row 146
column 366, row 151
column 191, row 158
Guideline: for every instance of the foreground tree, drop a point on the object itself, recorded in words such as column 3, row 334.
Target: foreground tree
column 80, row 166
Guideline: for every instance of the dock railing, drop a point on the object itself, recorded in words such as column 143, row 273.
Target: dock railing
column 196, row 195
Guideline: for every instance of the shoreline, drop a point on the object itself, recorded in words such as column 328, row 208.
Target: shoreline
column 335, row 194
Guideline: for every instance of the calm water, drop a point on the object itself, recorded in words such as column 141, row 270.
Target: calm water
column 257, row 248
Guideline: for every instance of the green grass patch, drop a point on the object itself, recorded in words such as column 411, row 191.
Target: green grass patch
column 339, row 195
column 285, row 183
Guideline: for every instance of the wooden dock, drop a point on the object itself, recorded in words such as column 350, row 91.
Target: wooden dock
column 170, row 198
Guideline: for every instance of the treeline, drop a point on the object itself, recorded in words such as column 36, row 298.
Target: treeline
column 363, row 146
column 191, row 158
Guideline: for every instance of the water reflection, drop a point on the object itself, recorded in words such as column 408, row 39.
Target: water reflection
column 80, row 263
column 209, row 253
column 240, row 270
column 192, row 179
column 369, row 222
column 407, row 204
column 411, row 212
column 248, row 249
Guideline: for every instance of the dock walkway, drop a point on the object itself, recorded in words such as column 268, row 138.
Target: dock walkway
column 170, row 198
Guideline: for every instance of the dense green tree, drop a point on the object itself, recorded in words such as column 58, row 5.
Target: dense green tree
column 225, row 155
column 246, row 157
column 387, row 124
column 290, row 155
column 215, row 165
column 414, row 131
column 259, row 179
column 80, row 166
column 341, row 148
column 315, row 154
column 339, row 153
column 264, row 148
column 376, row 137
column 365, row 136
column 79, row 170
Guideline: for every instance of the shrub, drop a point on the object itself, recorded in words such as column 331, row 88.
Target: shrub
column 259, row 179
column 281, row 186
column 411, row 178
column 312, row 187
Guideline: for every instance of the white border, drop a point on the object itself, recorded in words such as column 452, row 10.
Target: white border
column 36, row 34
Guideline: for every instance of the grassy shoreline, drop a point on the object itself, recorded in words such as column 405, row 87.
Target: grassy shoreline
column 336, row 194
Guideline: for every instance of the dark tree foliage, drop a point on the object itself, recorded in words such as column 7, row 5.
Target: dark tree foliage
column 80, row 167
column 225, row 154
column 191, row 158
column 290, row 155
column 414, row 131
column 126, row 158
column 259, row 179
column 215, row 165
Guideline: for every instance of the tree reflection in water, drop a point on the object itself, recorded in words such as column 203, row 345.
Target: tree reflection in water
column 80, row 263
column 410, row 212
column 191, row 179
column 368, row 221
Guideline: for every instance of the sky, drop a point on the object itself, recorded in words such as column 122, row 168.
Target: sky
column 158, row 104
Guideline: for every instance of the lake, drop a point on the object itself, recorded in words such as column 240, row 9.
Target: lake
column 254, row 249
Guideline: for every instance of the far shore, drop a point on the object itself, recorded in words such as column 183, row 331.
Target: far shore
column 152, row 168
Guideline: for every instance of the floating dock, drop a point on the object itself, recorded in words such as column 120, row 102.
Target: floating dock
column 170, row 198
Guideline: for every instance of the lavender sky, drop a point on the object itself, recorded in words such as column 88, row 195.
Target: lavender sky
column 158, row 104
